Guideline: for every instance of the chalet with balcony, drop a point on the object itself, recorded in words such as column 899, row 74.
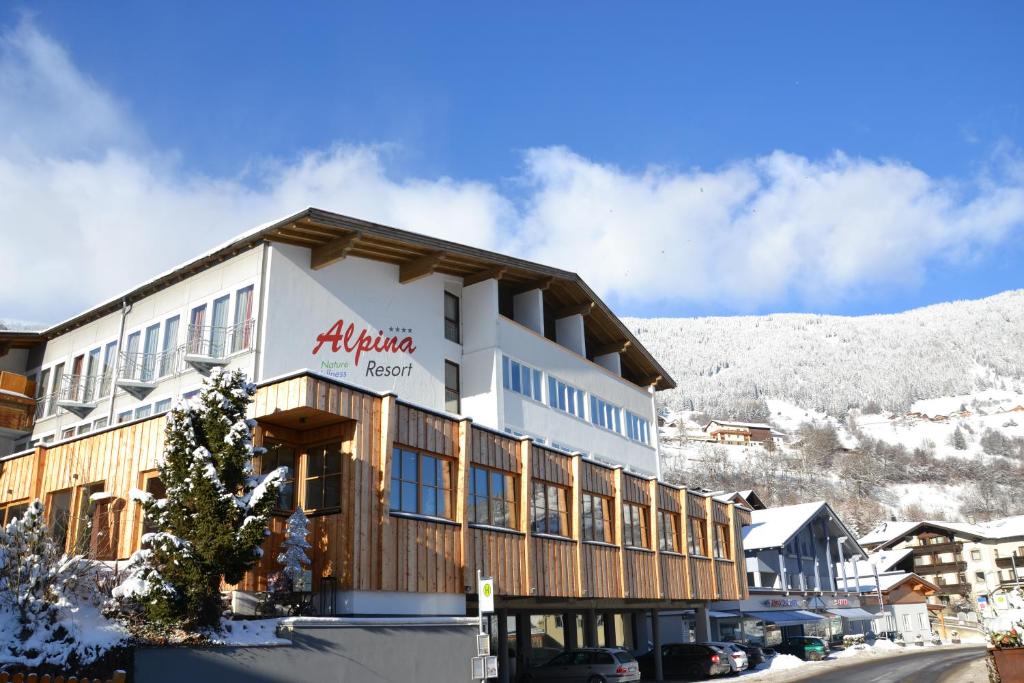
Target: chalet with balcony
column 738, row 433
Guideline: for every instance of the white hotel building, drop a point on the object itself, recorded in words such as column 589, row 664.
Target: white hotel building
column 524, row 348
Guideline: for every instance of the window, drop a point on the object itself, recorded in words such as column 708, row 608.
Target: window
column 421, row 483
column 451, row 387
column 219, row 328
column 154, row 487
column 13, row 512
column 108, row 368
column 492, row 497
column 281, row 455
column 92, row 371
column 84, row 528
column 167, row 355
column 42, row 398
column 100, row 423
column 975, row 554
column 67, row 433
column 522, row 379
column 697, row 542
column 635, row 531
column 323, row 477
column 149, row 353
column 721, row 542
column 196, row 331
column 565, row 397
column 58, row 378
column 132, row 363
column 451, row 317
column 597, row 518
column 605, row 415
column 668, row 531
column 126, row 416
column 550, row 509
column 162, row 406
column 143, row 411
column 906, row 622
column 84, row 428
column 637, row 428
column 979, row 577
column 241, row 334
column 59, row 516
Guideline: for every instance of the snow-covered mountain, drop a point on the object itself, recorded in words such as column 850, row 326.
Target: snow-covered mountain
column 834, row 363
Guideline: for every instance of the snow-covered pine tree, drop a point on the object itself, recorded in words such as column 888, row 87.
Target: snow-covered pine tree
column 958, row 440
column 293, row 556
column 214, row 519
column 30, row 569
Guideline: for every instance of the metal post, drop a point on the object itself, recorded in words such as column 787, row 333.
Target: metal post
column 611, row 638
column 503, row 672
column 590, row 628
column 659, row 673
column 842, row 563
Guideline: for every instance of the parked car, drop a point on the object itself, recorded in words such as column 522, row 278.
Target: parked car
column 824, row 643
column 755, row 655
column 737, row 657
column 588, row 665
column 804, row 647
column 687, row 660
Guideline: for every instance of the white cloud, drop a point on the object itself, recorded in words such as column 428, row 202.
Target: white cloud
column 88, row 208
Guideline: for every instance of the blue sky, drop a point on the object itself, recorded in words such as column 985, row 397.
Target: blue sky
column 683, row 120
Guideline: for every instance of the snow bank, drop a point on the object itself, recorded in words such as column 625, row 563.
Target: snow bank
column 784, row 663
column 248, row 633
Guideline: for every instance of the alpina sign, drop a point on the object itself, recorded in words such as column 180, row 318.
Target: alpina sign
column 346, row 338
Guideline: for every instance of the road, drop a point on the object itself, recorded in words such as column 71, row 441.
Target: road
column 933, row 666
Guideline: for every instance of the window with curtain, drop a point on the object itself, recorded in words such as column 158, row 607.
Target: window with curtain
column 170, row 342
column 596, row 512
column 149, row 353
column 668, row 531
column 241, row 337
column 421, row 483
column 550, row 509
column 635, row 530
column 492, row 498
column 323, row 477
column 697, row 543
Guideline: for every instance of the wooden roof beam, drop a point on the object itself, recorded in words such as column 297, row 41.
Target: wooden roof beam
column 331, row 252
column 419, row 268
column 580, row 309
column 542, row 284
column 485, row 274
column 614, row 347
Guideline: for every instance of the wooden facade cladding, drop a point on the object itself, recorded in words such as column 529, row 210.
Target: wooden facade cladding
column 366, row 546
column 17, row 402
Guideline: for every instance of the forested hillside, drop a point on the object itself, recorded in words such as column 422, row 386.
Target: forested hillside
column 834, row 363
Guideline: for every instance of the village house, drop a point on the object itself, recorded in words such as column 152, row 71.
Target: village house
column 738, row 433
column 441, row 410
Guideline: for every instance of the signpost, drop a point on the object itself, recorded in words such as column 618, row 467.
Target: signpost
column 484, row 665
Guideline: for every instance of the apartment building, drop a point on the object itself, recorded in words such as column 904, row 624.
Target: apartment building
column 441, row 410
column 965, row 561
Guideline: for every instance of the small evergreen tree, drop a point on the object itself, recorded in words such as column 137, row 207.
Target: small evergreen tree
column 293, row 558
column 214, row 519
column 958, row 440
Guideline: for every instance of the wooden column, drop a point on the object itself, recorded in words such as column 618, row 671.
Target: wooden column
column 464, row 459
column 653, row 521
column 503, row 672
column 524, row 643
column 525, row 494
column 659, row 672
column 616, row 519
column 590, row 628
column 709, row 510
column 611, row 639
column 576, row 522
column 388, row 426
column 684, row 538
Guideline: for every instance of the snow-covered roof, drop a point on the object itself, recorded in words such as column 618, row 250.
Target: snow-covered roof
column 884, row 560
column 886, row 581
column 729, row 423
column 774, row 527
column 1005, row 527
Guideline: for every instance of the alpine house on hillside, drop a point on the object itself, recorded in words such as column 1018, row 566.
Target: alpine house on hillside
column 441, row 410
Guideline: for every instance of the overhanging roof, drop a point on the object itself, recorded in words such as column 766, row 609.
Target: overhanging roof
column 314, row 228
column 19, row 339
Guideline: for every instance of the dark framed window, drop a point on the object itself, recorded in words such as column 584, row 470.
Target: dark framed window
column 492, row 497
column 597, row 518
column 451, row 318
column 282, row 455
column 13, row 512
column 323, row 477
column 85, row 543
column 452, row 390
column 549, row 503
column 668, row 531
column 421, row 483
column 721, row 541
column 156, row 488
column 636, row 531
column 59, row 514
column 697, row 539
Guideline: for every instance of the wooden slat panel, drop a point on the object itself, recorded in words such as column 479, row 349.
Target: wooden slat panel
column 16, row 477
column 668, row 498
column 673, row 576
column 695, row 506
column 725, row 573
column 635, row 489
column 553, row 571
column 701, row 578
column 720, row 512
column 551, row 466
column 600, row 570
column 495, row 451
column 496, row 554
column 597, row 479
column 639, row 579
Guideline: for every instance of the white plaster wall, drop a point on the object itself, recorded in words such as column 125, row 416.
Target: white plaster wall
column 178, row 299
column 535, row 418
column 303, row 303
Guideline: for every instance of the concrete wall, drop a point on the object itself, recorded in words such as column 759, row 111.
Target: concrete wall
column 367, row 651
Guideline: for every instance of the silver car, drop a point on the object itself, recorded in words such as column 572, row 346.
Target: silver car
column 737, row 657
column 588, row 665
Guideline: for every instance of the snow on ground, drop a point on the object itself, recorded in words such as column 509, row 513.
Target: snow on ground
column 249, row 633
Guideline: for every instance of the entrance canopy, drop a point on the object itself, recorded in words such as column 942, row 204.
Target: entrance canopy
column 786, row 618
column 714, row 614
column 853, row 613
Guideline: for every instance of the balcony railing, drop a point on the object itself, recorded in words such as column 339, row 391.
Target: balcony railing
column 941, row 568
column 209, row 347
column 1011, row 562
column 17, row 402
column 929, row 548
column 78, row 394
column 955, row 588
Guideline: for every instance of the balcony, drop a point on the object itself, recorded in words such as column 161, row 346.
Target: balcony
column 955, row 588
column 941, row 568
column 947, row 547
column 1011, row 562
column 139, row 372
column 209, row 347
column 17, row 405
column 78, row 394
